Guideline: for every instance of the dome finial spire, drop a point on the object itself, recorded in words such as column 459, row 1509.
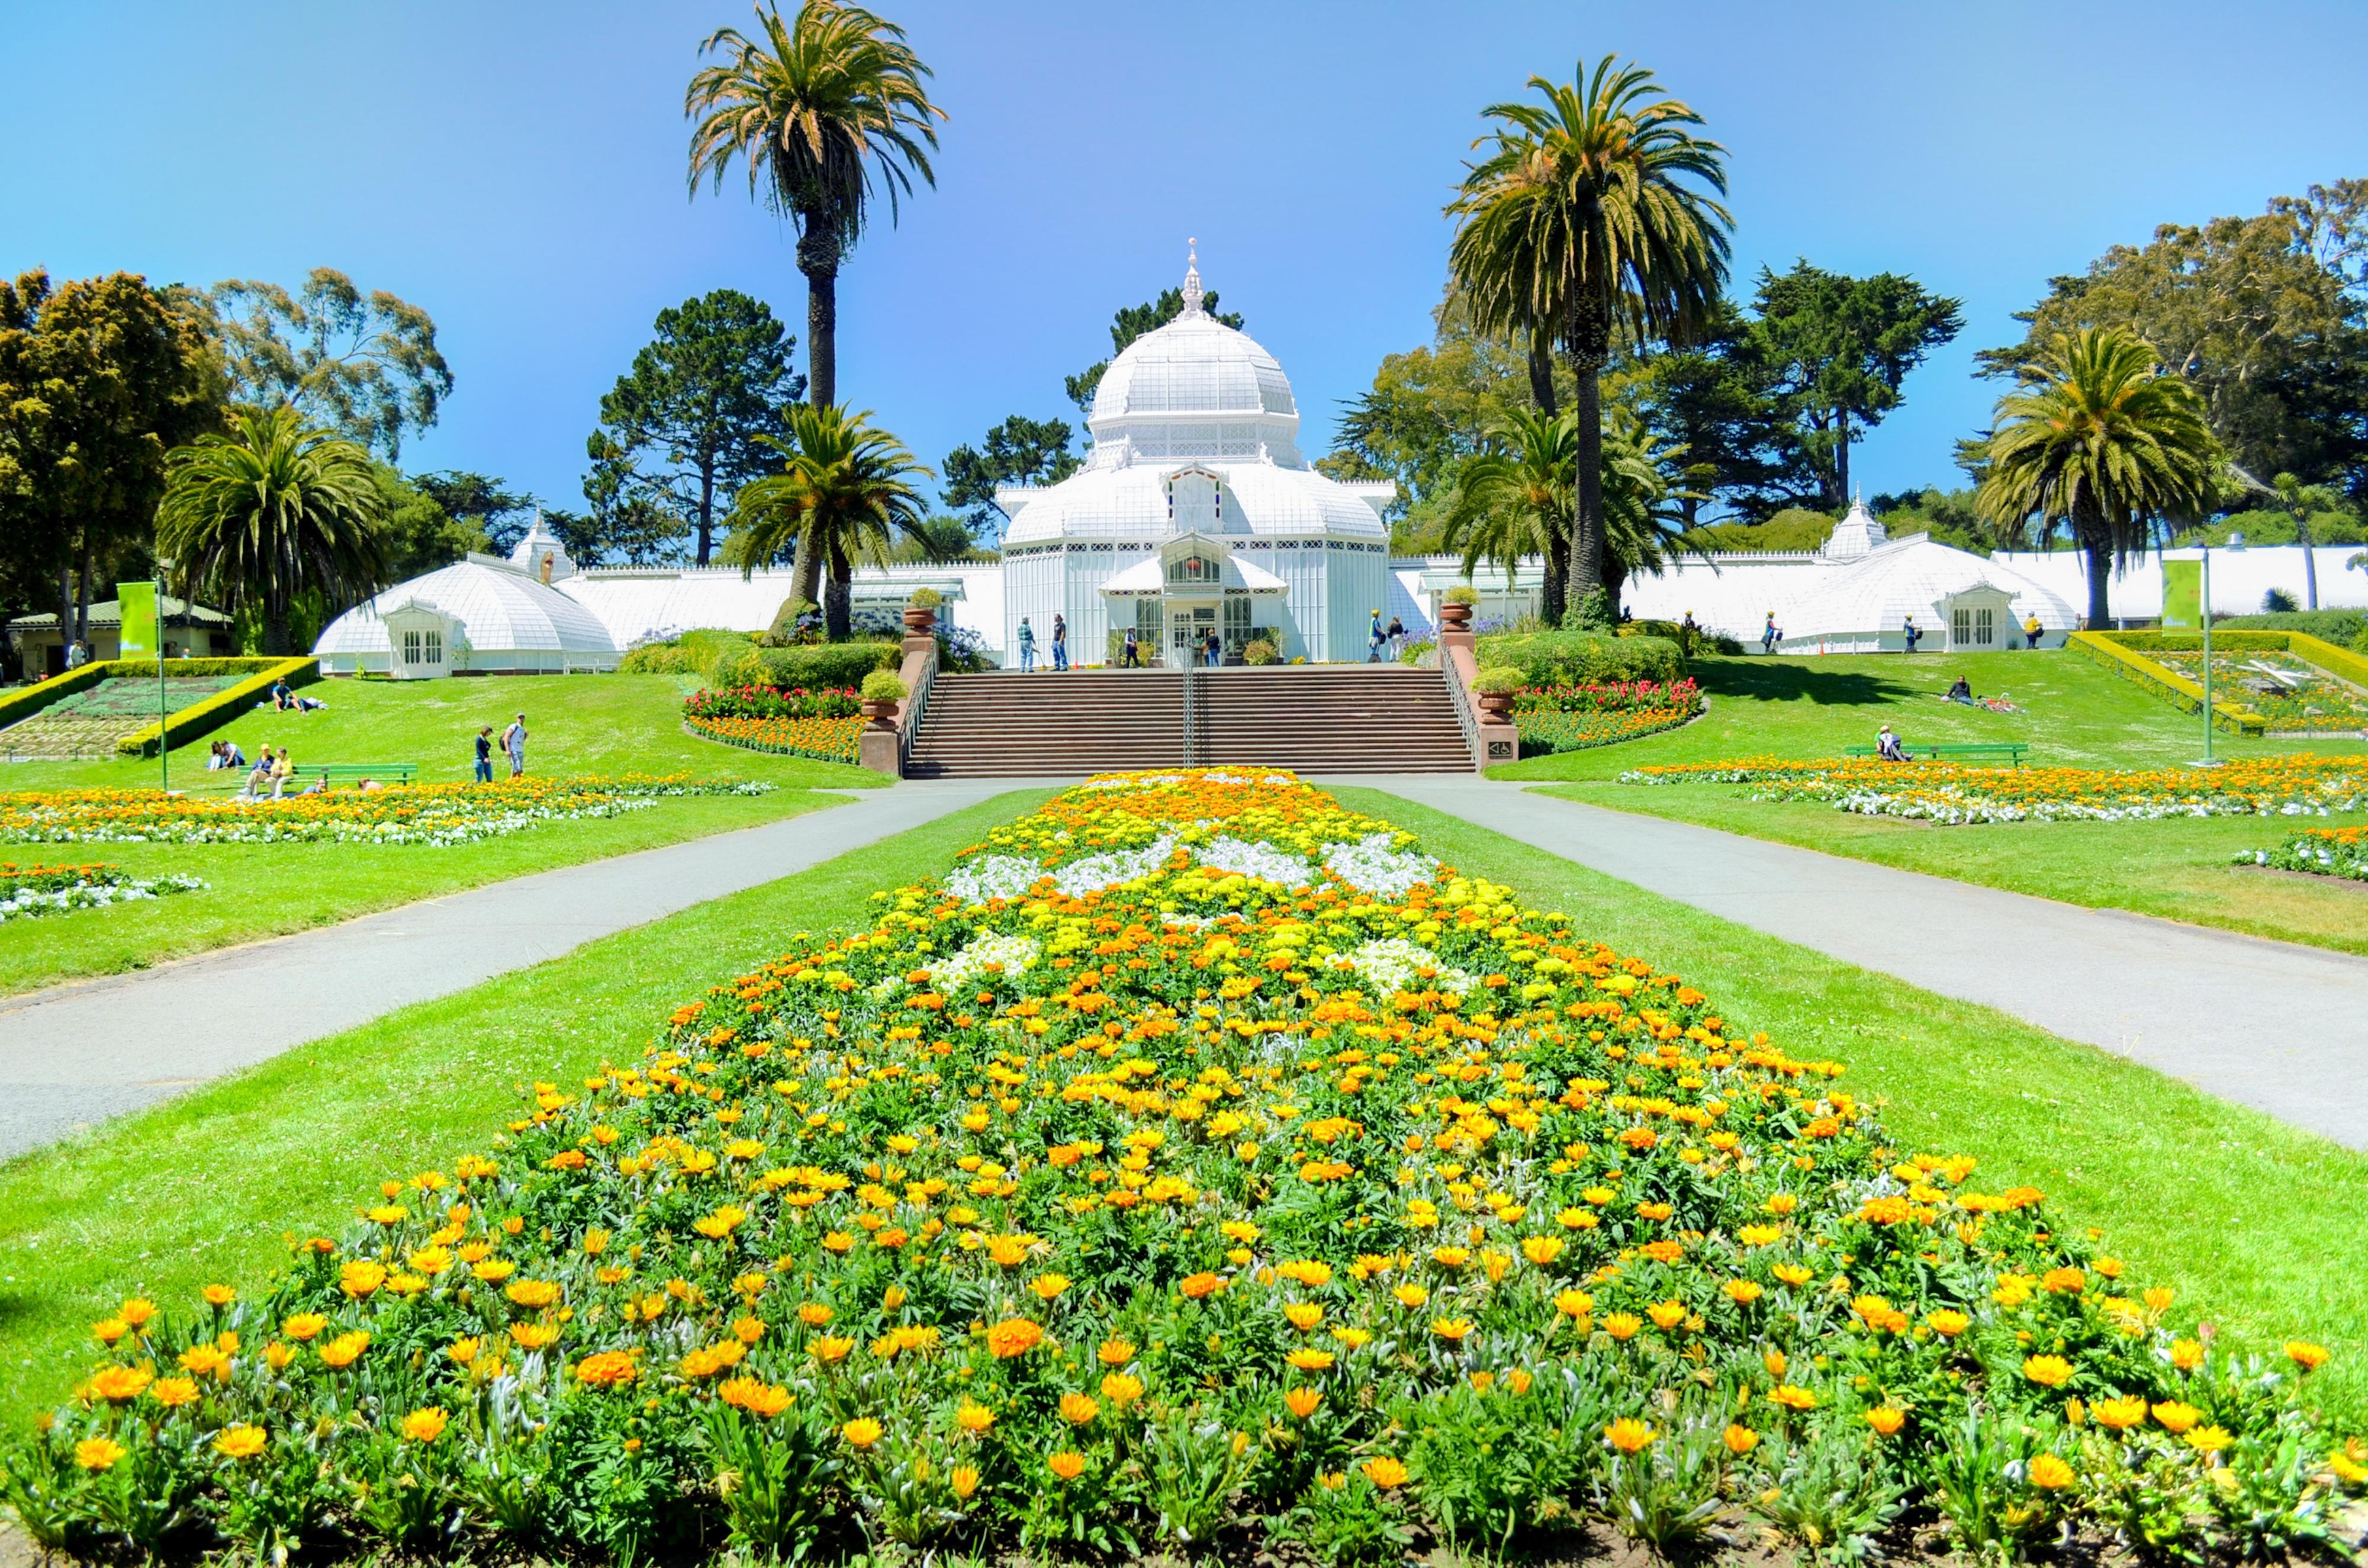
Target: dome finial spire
column 1192, row 278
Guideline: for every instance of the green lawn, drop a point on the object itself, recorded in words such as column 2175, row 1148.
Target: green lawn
column 579, row 724
column 203, row 1187
column 2257, row 1223
column 2254, row 1223
column 2078, row 714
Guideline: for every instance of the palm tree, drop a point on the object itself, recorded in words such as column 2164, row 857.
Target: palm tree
column 841, row 494
column 2098, row 440
column 1644, row 515
column 1513, row 498
column 2297, row 501
column 1581, row 216
column 813, row 107
column 270, row 510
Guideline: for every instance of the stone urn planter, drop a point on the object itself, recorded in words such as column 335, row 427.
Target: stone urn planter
column 920, row 619
column 881, row 714
column 1496, row 706
column 1453, row 617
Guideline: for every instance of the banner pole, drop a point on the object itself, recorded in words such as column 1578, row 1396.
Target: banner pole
column 2205, row 611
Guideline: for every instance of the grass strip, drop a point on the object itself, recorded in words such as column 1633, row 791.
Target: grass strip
column 2257, row 1222
column 203, row 1187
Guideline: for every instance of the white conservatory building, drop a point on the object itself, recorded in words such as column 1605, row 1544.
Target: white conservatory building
column 482, row 615
column 1195, row 513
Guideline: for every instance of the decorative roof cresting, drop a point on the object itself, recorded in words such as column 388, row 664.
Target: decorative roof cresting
column 1192, row 280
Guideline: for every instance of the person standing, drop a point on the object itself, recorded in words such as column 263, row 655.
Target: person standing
column 1027, row 647
column 2032, row 631
column 1397, row 639
column 485, row 755
column 1376, row 637
column 514, row 743
column 76, row 654
column 1132, row 657
column 1768, row 634
column 1060, row 641
column 1913, row 634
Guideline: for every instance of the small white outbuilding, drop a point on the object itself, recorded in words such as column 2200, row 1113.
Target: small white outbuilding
column 483, row 615
column 1873, row 586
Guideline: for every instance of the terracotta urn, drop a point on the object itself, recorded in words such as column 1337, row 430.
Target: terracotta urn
column 1454, row 617
column 884, row 714
column 920, row 619
column 1497, row 704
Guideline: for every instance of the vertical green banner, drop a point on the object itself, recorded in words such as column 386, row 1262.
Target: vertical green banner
column 137, row 604
column 2182, row 594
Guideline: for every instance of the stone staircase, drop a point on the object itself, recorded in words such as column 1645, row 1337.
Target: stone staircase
column 1312, row 719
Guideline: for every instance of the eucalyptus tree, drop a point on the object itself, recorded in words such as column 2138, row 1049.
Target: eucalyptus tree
column 844, row 490
column 270, row 509
column 1594, row 208
column 2100, row 440
column 818, row 106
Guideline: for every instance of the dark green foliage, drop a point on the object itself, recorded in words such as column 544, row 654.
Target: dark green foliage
column 1131, row 323
column 1020, row 450
column 1582, row 658
column 366, row 367
column 481, row 502
column 2336, row 626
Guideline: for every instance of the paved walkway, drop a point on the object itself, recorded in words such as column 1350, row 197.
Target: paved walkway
column 2276, row 1026
column 77, row 1054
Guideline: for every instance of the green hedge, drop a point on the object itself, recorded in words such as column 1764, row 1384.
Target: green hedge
column 821, row 663
column 659, row 659
column 2340, row 627
column 201, row 719
column 1550, row 658
column 26, row 702
column 2193, row 641
column 2111, row 648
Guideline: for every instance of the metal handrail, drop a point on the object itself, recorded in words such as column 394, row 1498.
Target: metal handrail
column 917, row 707
column 1464, row 713
column 1190, row 713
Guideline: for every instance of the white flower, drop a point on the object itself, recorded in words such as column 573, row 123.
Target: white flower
column 1391, row 964
column 1372, row 865
column 1261, row 862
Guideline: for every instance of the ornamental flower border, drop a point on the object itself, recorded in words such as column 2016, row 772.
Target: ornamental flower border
column 1165, row 1200
column 32, row 892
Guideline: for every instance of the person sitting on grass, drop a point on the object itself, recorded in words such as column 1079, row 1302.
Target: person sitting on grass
column 1886, row 746
column 1962, row 692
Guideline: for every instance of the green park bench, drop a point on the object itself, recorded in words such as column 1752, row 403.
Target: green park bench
column 337, row 773
column 2013, row 752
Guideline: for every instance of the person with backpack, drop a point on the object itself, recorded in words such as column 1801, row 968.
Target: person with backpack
column 514, row 743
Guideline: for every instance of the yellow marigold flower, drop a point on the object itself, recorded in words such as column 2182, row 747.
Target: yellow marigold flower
column 98, row 1453
column 534, row 1295
column 173, row 1393
column 1792, row 1397
column 973, row 1417
column 1303, row 1402
column 1739, row 1439
column 2047, row 1372
column 2306, row 1355
column 1013, row 1336
column 1385, row 1472
column 239, row 1441
column 1775, row 1363
column 1450, row 1257
column 814, row 1314
column 1308, row 1360
column 1573, row 1304
column 2049, row 1473
column 1353, row 1338
column 110, row 1330
column 1542, row 1250
column 1121, row 1389
column 1307, row 1272
column 1793, row 1274
column 830, row 1350
column 424, row 1426
column 277, row 1354
column 1410, row 1297
column 219, row 1295
column 1743, row 1292
column 1453, row 1330
column 1067, row 1464
column 1630, row 1436
column 1947, row 1322
column 1666, row 1314
column 2177, row 1418
column 2209, row 1439
column 1886, row 1419
column 345, row 1350
column 534, row 1335
column 861, row 1432
column 361, row 1276
column 2186, row 1355
column 304, row 1326
column 1621, row 1325
column 1048, row 1286
column 1115, row 1352
column 2118, row 1413
column 136, row 1310
column 963, row 1480
column 1077, row 1409
column 2159, row 1297
column 464, row 1350
column 1303, row 1316
column 720, row 1224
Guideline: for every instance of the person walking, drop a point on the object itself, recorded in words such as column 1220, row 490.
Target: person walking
column 1027, row 647
column 1397, row 639
column 1768, row 634
column 485, row 755
column 2032, row 631
column 1376, row 636
column 76, row 654
column 1131, row 656
column 1913, row 634
column 514, row 743
column 1060, row 641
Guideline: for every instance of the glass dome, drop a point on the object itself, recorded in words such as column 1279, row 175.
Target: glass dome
column 511, row 621
column 1194, row 387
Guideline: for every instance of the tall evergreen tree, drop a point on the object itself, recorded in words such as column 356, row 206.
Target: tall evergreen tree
column 1131, row 323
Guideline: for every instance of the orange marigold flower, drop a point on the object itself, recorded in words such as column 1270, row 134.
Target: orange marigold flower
column 239, row 1441
column 1385, row 1472
column 1886, row 1419
column 1068, row 1465
column 1303, row 1402
column 2049, row 1473
column 1739, row 1439
column 120, row 1385
column 2047, row 1372
column 2306, row 1355
column 609, row 1368
column 1013, row 1336
column 425, row 1425
column 1077, row 1409
column 1630, row 1435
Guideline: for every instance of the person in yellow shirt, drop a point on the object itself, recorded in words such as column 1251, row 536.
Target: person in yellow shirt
column 2032, row 631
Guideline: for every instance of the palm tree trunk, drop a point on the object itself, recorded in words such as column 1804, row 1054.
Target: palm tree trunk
column 837, row 598
column 274, row 624
column 1541, row 387
column 2101, row 562
column 1556, row 596
column 1587, row 516
column 805, row 569
column 818, row 259
column 2309, row 565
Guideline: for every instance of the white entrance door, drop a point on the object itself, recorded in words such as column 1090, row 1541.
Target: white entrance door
column 1187, row 631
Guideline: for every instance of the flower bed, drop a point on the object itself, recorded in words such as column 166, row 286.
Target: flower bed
column 2300, row 785
column 773, row 702
column 31, row 890
column 424, row 813
column 2314, row 701
column 2326, row 851
column 1198, row 1161
column 832, row 740
column 1576, row 717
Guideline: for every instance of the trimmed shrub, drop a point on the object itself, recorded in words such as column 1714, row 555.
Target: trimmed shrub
column 201, row 719
column 1258, row 651
column 2336, row 626
column 658, row 659
column 1498, row 680
column 829, row 663
column 1583, row 658
column 883, row 686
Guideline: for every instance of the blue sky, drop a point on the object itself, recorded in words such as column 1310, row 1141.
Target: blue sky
column 517, row 169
